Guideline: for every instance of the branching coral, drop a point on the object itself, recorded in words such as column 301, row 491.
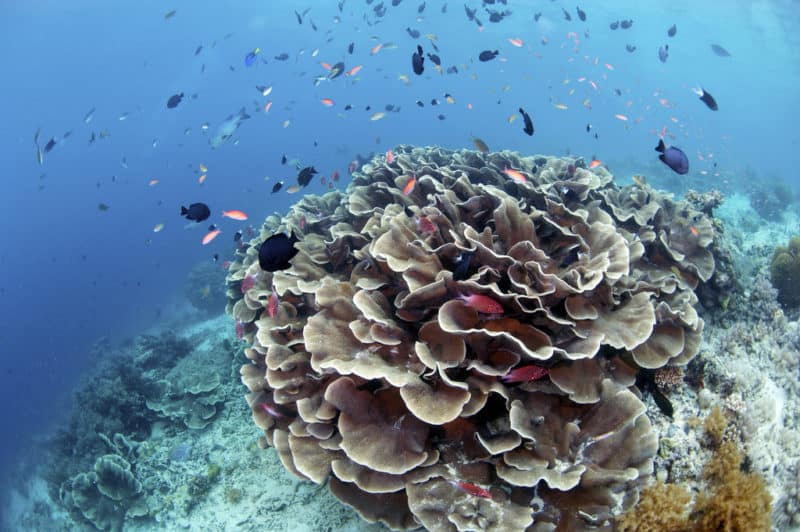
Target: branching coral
column 387, row 365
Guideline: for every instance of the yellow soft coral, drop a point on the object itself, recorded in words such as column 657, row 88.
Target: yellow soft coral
column 661, row 508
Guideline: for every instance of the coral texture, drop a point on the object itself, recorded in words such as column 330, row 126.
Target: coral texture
column 400, row 360
column 785, row 272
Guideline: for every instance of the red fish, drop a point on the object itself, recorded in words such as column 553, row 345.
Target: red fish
column 525, row 374
column 335, row 175
column 425, row 225
column 272, row 308
column 303, row 222
column 352, row 167
column 483, row 304
column 239, row 329
column 248, row 283
column 472, row 489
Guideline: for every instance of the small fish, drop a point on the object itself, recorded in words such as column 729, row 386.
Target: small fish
column 272, row 304
column 472, row 489
column 377, row 116
column 89, row 116
column 169, row 14
column 239, row 329
column 50, row 145
column 672, row 30
column 102, row 207
column 413, row 33
column 528, row 129
column 622, row 117
column 487, row 55
column 626, row 24
column 276, row 252
column 706, row 98
column 418, row 61
column 525, row 374
column 198, row 50
column 483, row 304
column 409, row 187
column 158, row 228
column 581, row 14
column 375, row 49
column 389, row 157
column 561, row 106
column 595, row 163
column 720, row 51
column 663, row 53
column 211, row 235
column 673, row 157
column 630, row 48
column 350, row 48
column 196, row 211
column 480, row 145
column 567, row 16
column 293, row 189
column 277, row 186
column 123, row 116
column 174, row 100
column 462, row 264
column 516, row 175
column 235, row 215
column 516, row 42
column 327, row 102
column 614, row 25
column 353, row 71
column 202, row 179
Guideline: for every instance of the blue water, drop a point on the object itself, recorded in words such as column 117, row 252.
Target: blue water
column 72, row 273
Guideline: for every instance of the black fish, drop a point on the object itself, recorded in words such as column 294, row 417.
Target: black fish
column 277, row 186
column 350, row 47
column 720, row 51
column 487, row 55
column 434, row 101
column 441, row 117
column 672, row 30
column 630, row 47
column 707, row 99
column 663, row 53
column 537, row 16
column 673, row 157
column 336, row 70
column 413, row 33
column 581, row 13
column 418, row 61
column 50, row 145
column 462, row 265
column 470, row 12
column 276, row 252
column 348, row 107
column 420, row 103
column 421, row 7
column 396, row 3
column 313, row 26
column 434, row 59
column 282, row 57
column 452, row 70
column 174, row 100
column 215, row 257
column 299, row 18
column 305, row 175
column 196, row 211
column 237, row 236
column 198, row 49
column 625, row 24
column 614, row 25
column 283, row 159
column 528, row 129
column 567, row 16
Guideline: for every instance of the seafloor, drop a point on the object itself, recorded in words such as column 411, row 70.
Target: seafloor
column 199, row 466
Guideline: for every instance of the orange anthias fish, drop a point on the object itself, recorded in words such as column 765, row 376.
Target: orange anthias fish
column 375, row 49
column 525, row 374
column 516, row 42
column 235, row 215
column 409, row 186
column 595, row 163
column 472, row 489
column 267, row 106
column 353, row 71
column 153, row 182
column 483, row 304
column 516, row 175
column 327, row 102
column 211, row 235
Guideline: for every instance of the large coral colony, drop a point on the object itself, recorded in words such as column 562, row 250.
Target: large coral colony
column 455, row 344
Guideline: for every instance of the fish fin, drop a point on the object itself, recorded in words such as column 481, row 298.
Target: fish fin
column 661, row 147
column 663, row 159
column 184, row 210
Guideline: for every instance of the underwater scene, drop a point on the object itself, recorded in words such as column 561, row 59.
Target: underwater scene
column 366, row 265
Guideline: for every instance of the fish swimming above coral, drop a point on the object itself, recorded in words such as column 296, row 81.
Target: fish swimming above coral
column 227, row 128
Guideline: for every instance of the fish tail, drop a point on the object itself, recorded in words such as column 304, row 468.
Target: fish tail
column 184, row 210
column 660, row 147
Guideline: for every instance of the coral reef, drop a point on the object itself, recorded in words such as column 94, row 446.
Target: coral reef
column 205, row 287
column 398, row 360
column 785, row 272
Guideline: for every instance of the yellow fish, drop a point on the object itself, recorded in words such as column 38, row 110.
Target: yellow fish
column 561, row 106
column 377, row 116
column 286, row 123
column 158, row 228
column 203, row 168
column 512, row 118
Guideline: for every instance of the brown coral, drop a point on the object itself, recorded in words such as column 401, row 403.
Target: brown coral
column 384, row 368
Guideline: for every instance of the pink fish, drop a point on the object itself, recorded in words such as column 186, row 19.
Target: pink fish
column 272, row 410
column 425, row 225
column 525, row 374
column 239, row 329
column 472, row 489
column 272, row 305
column 226, row 264
column 483, row 304
column 248, row 283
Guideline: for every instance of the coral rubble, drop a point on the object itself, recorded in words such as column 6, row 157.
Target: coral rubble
column 394, row 362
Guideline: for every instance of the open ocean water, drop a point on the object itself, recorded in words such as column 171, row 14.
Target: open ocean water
column 118, row 114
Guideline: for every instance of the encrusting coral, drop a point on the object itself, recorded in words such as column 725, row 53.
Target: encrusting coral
column 456, row 342
column 785, row 272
